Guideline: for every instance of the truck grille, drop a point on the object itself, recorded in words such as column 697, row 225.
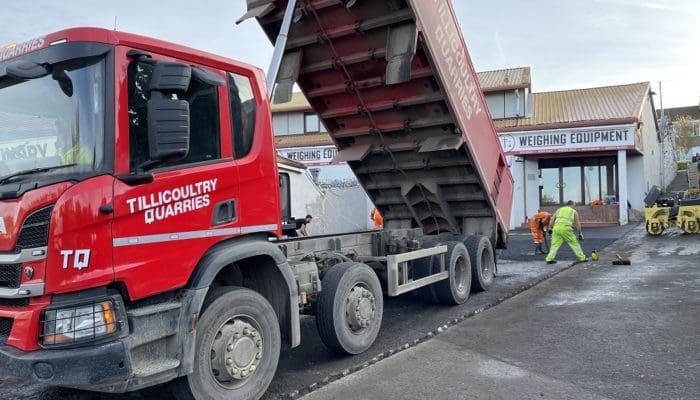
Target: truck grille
column 5, row 329
column 35, row 230
column 10, row 275
column 23, row 302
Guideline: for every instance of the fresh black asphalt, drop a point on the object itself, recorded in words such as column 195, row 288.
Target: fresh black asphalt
column 407, row 321
column 596, row 331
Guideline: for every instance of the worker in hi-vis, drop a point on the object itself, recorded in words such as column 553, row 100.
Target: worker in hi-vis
column 563, row 224
column 376, row 218
column 538, row 228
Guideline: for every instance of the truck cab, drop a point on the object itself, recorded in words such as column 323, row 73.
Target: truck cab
column 124, row 160
column 140, row 198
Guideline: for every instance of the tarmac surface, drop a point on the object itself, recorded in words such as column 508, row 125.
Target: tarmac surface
column 407, row 322
column 594, row 331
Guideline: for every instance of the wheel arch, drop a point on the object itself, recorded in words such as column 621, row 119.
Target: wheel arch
column 256, row 264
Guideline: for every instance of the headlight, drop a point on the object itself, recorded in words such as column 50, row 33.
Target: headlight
column 77, row 324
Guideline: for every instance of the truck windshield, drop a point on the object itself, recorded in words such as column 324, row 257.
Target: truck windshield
column 53, row 123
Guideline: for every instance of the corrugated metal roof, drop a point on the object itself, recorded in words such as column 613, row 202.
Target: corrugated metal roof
column 298, row 103
column 503, row 79
column 489, row 81
column 305, row 140
column 611, row 104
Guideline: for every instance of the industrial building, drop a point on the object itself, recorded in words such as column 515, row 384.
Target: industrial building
column 600, row 147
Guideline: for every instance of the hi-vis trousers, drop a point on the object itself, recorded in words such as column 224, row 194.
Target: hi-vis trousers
column 561, row 234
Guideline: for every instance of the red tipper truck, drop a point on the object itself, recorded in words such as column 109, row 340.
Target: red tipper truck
column 141, row 237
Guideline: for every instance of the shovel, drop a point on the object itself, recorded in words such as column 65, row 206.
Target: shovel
column 546, row 241
column 621, row 261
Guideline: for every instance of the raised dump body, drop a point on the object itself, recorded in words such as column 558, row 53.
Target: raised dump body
column 396, row 89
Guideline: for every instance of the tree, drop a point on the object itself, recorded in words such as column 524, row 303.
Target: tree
column 685, row 130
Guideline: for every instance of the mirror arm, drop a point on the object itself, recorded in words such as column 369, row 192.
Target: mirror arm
column 141, row 56
column 136, row 179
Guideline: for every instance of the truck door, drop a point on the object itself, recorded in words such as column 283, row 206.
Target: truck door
column 162, row 228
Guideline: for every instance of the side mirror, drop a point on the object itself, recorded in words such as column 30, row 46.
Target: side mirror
column 168, row 117
column 168, row 129
column 170, row 77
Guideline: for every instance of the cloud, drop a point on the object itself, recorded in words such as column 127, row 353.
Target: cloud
column 568, row 44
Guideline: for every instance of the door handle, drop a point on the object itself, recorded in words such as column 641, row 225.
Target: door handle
column 224, row 212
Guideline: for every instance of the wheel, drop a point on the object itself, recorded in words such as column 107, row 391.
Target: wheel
column 349, row 309
column 654, row 228
column 236, row 350
column 423, row 267
column 690, row 226
column 483, row 263
column 455, row 289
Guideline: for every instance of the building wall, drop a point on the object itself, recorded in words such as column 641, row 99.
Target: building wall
column 659, row 165
column 343, row 206
column 636, row 181
column 532, row 186
column 652, row 158
column 517, row 211
column 526, row 189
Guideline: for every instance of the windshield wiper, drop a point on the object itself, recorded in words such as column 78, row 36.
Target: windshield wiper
column 6, row 178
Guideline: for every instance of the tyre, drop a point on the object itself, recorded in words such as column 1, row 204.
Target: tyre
column 690, row 226
column 349, row 309
column 654, row 228
column 455, row 289
column 237, row 348
column 483, row 262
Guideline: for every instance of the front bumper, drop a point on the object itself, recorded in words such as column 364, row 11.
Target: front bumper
column 106, row 365
column 155, row 344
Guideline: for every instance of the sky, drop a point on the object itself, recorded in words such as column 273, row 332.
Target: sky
column 569, row 44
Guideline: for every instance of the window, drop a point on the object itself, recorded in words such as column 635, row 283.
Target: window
column 608, row 178
column 311, row 123
column 580, row 180
column 571, row 184
column 496, row 105
column 55, row 120
column 506, row 104
column 285, row 197
column 280, row 124
column 549, row 186
column 591, row 182
column 205, row 140
column 242, row 114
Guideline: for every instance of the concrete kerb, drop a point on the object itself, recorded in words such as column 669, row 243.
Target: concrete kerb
column 429, row 335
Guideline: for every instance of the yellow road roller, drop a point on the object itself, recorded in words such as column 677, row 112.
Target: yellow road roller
column 662, row 213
